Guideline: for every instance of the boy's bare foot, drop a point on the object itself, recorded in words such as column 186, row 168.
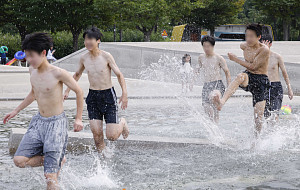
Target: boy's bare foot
column 125, row 131
column 61, row 165
column 216, row 100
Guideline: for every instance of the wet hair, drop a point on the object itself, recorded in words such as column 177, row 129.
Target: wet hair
column 37, row 42
column 209, row 39
column 266, row 38
column 257, row 28
column 184, row 57
column 93, row 32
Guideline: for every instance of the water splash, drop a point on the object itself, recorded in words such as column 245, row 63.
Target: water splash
column 90, row 172
column 284, row 135
column 166, row 69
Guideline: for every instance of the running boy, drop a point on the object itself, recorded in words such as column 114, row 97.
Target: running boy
column 45, row 141
column 102, row 99
column 255, row 78
column 274, row 100
column 212, row 64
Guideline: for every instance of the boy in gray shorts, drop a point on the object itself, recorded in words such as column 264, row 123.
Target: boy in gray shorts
column 45, row 141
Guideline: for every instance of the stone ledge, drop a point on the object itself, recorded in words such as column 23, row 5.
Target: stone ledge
column 83, row 141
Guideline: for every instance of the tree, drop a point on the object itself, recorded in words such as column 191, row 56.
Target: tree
column 284, row 10
column 18, row 13
column 76, row 15
column 215, row 13
column 147, row 15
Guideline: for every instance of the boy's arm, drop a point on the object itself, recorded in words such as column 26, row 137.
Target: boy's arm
column 260, row 59
column 285, row 76
column 26, row 102
column 116, row 70
column 224, row 66
column 76, row 76
column 199, row 65
column 66, row 78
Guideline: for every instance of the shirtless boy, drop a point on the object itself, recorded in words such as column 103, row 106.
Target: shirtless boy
column 274, row 100
column 45, row 141
column 102, row 99
column 212, row 63
column 254, row 79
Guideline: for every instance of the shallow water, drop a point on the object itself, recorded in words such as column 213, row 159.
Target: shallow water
column 227, row 163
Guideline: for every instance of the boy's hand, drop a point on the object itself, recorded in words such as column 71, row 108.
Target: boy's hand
column 232, row 57
column 267, row 43
column 290, row 93
column 9, row 116
column 124, row 101
column 78, row 126
column 66, row 95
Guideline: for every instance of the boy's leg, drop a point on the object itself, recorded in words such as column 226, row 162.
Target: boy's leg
column 29, row 152
column 209, row 110
column 52, row 182
column 241, row 80
column 22, row 161
column 97, row 130
column 216, row 116
column 114, row 130
column 259, row 109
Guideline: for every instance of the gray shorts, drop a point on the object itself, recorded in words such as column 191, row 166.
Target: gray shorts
column 46, row 137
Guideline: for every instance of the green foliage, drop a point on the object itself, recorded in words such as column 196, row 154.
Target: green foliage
column 13, row 42
column 214, row 13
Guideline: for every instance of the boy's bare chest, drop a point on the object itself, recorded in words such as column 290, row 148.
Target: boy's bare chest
column 273, row 63
column 96, row 65
column 43, row 83
column 211, row 64
column 250, row 55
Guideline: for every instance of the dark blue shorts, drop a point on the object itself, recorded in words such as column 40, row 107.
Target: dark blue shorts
column 103, row 103
column 274, row 101
column 258, row 85
column 48, row 137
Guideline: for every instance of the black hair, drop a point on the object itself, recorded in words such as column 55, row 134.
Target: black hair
column 266, row 38
column 257, row 28
column 93, row 32
column 37, row 42
column 184, row 57
column 209, row 39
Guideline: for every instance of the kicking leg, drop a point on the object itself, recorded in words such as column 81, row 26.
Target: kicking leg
column 113, row 130
column 240, row 80
column 97, row 130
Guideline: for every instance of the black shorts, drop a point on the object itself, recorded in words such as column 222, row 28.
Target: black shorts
column 258, row 85
column 208, row 87
column 102, row 103
column 274, row 101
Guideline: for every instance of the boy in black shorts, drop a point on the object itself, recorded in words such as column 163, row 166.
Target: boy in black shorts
column 275, row 97
column 255, row 78
column 102, row 99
